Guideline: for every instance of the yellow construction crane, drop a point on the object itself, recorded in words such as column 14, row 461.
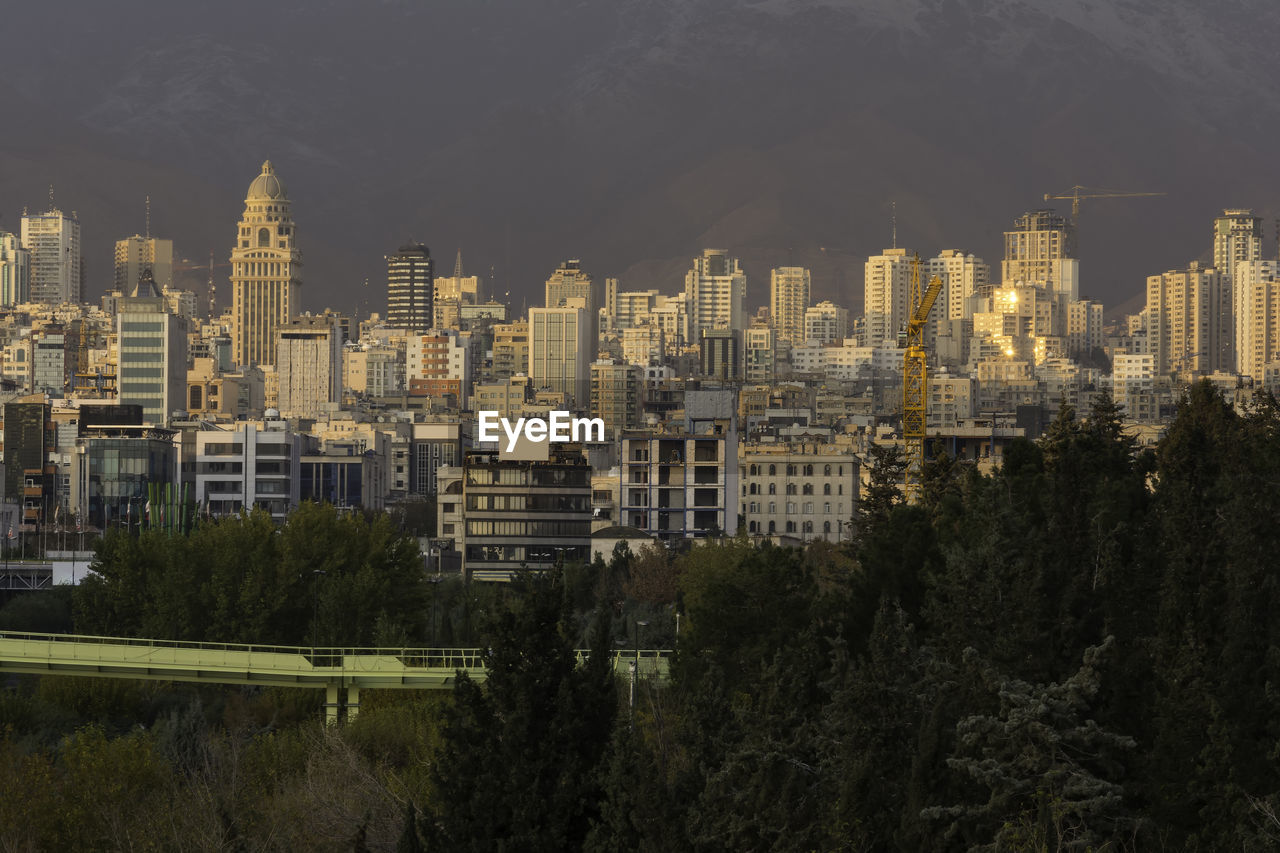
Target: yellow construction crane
column 915, row 378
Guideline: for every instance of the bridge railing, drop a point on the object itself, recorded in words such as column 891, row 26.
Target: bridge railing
column 649, row 661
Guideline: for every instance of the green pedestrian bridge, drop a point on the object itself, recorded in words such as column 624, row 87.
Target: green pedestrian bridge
column 341, row 672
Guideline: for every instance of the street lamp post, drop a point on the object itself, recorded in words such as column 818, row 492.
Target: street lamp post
column 635, row 666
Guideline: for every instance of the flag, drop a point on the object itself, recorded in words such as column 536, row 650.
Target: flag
column 146, row 511
column 77, row 522
column 10, row 533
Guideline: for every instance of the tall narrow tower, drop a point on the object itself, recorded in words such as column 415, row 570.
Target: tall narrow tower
column 53, row 238
column 409, row 289
column 265, row 264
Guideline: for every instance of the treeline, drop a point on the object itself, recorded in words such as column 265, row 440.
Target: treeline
column 1077, row 652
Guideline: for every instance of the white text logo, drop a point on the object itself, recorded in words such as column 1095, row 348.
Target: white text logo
column 560, row 428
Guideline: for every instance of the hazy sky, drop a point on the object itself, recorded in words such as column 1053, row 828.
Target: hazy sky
column 632, row 134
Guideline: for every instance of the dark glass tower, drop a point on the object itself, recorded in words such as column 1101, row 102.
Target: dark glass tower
column 409, row 288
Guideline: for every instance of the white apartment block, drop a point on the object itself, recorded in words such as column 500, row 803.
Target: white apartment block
column 789, row 292
column 715, row 290
column 53, row 239
column 826, row 323
column 256, row 464
column 963, row 277
column 1189, row 321
column 885, row 291
column 309, row 366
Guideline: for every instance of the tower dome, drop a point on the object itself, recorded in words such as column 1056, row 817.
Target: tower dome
column 266, row 187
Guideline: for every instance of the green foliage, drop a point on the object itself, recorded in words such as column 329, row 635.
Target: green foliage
column 322, row 577
column 517, row 765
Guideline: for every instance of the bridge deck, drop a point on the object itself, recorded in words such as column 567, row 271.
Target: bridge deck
column 275, row 666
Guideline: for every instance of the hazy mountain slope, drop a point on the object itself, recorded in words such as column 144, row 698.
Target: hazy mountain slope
column 633, row 133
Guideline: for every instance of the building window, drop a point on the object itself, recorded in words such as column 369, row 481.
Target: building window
column 826, row 470
column 826, row 488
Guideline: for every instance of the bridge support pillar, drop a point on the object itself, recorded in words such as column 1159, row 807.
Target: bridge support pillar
column 331, row 703
column 353, row 703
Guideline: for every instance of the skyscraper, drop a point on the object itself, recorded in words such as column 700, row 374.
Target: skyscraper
column 1237, row 241
column 136, row 252
column 884, row 295
column 561, row 349
column 410, row 289
column 715, row 290
column 15, row 271
column 963, row 275
column 265, row 264
column 57, row 269
column 789, row 289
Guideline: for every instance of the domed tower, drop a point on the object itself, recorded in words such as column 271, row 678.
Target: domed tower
column 265, row 267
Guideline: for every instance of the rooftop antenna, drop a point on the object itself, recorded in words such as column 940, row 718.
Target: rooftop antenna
column 893, row 219
column 457, row 265
column 51, row 196
column 148, row 217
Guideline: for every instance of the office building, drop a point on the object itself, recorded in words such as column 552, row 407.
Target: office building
column 15, row 271
column 759, row 354
column 721, row 355
column 410, row 289
column 561, row 349
column 309, row 364
column 253, row 465
column 57, row 266
column 789, row 291
column 265, row 271
column 505, row 515
column 152, row 372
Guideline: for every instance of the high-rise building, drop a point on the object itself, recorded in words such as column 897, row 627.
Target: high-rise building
column 1189, row 321
column 510, row 350
column 309, row 363
column 57, row 268
column 561, row 349
column 15, row 271
column 570, row 282
column 133, row 254
column 715, row 290
column 410, row 289
column 788, row 300
column 1256, row 289
column 963, row 276
column 265, row 265
column 884, row 300
column 1040, row 250
column 153, row 353
column 721, row 357
column 439, row 363
column 1237, row 237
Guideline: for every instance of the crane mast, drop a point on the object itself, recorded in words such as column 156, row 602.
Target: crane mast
column 915, row 378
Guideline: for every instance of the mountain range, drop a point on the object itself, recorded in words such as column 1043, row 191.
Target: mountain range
column 633, row 134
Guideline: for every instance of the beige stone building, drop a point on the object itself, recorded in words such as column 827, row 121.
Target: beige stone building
column 265, row 263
